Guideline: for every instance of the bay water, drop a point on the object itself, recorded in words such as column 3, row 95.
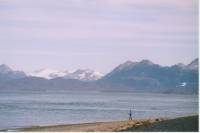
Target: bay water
column 24, row 109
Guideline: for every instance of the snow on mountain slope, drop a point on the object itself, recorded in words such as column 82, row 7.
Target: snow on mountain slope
column 48, row 73
column 80, row 74
column 84, row 74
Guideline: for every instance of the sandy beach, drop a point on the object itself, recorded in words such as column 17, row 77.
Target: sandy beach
column 188, row 123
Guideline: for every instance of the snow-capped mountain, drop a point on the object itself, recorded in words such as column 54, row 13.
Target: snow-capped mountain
column 80, row 74
column 48, row 73
column 84, row 74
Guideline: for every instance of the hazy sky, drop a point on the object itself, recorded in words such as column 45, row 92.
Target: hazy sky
column 96, row 34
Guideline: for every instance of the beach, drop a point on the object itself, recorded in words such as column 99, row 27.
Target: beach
column 187, row 123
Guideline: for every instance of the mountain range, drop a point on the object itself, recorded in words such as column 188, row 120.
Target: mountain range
column 149, row 77
column 143, row 76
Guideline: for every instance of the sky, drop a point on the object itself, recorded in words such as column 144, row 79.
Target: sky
column 96, row 34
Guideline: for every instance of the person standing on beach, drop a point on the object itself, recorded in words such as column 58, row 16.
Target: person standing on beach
column 130, row 115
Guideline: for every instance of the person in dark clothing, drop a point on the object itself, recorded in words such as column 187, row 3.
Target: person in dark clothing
column 130, row 115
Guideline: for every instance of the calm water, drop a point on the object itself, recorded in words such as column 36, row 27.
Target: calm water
column 31, row 109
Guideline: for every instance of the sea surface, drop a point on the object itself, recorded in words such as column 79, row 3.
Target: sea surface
column 52, row 108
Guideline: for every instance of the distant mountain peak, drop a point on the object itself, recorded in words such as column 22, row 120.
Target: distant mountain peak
column 181, row 65
column 84, row 74
column 83, row 70
column 126, row 64
column 130, row 64
column 5, row 69
column 146, row 62
column 194, row 65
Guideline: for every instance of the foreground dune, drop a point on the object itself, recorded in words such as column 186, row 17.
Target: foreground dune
column 189, row 123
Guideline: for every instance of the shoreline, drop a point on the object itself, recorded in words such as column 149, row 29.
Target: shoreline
column 186, row 123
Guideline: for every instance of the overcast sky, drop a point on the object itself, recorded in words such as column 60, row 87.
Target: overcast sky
column 96, row 34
